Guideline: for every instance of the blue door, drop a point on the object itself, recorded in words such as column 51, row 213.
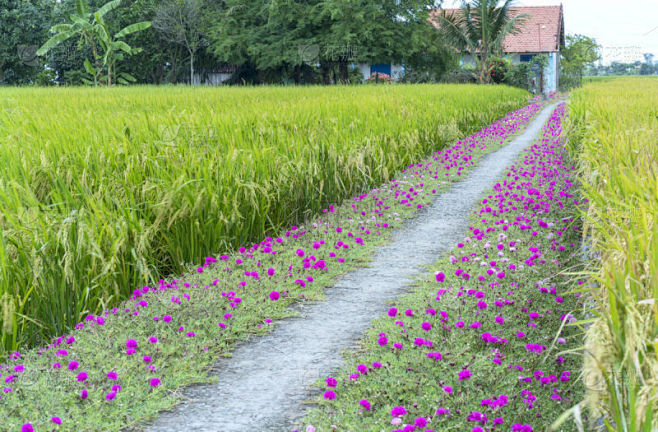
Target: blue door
column 381, row 68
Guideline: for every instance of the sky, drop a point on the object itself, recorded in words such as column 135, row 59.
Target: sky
column 625, row 29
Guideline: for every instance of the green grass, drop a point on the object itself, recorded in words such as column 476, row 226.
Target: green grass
column 103, row 190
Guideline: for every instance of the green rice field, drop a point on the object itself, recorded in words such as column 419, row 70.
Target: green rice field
column 105, row 190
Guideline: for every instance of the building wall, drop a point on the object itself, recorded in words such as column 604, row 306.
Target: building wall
column 364, row 68
column 397, row 71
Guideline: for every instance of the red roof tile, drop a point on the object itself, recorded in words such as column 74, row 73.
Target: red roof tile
column 542, row 31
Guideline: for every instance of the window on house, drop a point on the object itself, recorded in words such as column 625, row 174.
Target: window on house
column 526, row 58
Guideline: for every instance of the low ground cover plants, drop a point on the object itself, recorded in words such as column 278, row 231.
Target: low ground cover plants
column 484, row 341
column 120, row 367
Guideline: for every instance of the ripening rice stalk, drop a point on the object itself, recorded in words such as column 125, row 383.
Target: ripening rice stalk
column 614, row 132
column 103, row 191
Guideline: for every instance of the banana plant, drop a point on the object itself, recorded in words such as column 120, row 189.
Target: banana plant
column 92, row 29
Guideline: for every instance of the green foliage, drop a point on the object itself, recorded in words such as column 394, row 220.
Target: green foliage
column 498, row 69
column 579, row 53
column 479, row 29
column 279, row 39
column 614, row 129
column 92, row 28
column 23, row 24
column 524, row 75
column 180, row 22
column 431, row 61
column 107, row 190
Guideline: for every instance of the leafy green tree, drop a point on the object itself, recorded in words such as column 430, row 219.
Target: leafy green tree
column 287, row 37
column 180, row 22
column 580, row 52
column 93, row 30
column 479, row 29
column 23, row 25
column 266, row 38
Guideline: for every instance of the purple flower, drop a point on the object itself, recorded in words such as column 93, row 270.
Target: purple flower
column 153, row 340
column 440, row 277
column 166, row 318
column 465, row 374
column 329, row 395
column 155, row 382
column 365, row 404
column 270, row 271
column 331, row 382
column 83, row 394
column 274, row 295
column 398, row 411
column 56, row 420
column 82, row 377
column 73, row 365
column 27, row 427
column 131, row 343
column 420, row 422
column 110, row 396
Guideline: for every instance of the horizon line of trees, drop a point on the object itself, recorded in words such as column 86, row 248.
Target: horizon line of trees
column 257, row 42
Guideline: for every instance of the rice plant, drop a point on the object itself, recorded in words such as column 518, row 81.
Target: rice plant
column 104, row 190
column 613, row 133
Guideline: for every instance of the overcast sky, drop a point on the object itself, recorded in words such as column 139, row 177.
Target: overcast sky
column 624, row 29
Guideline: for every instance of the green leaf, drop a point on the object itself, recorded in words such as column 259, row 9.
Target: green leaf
column 89, row 68
column 61, row 28
column 133, row 28
column 128, row 77
column 107, row 7
column 81, row 7
column 121, row 45
column 53, row 42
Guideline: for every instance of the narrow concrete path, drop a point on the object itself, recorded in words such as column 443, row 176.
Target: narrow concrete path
column 262, row 387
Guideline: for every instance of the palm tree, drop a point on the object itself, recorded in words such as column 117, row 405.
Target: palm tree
column 479, row 29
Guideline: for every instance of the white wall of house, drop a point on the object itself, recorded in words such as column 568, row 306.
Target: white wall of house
column 397, row 71
column 364, row 68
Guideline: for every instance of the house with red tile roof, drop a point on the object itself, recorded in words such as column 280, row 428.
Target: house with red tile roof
column 542, row 32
